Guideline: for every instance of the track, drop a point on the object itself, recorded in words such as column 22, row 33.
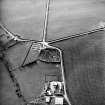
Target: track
column 76, row 35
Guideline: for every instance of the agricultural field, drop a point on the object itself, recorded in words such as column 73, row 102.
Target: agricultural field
column 66, row 17
column 84, row 69
column 83, row 57
column 7, row 94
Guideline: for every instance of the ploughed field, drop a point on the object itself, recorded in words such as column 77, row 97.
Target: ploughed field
column 66, row 17
column 84, row 68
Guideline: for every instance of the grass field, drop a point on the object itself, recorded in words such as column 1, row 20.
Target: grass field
column 7, row 91
column 31, row 80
